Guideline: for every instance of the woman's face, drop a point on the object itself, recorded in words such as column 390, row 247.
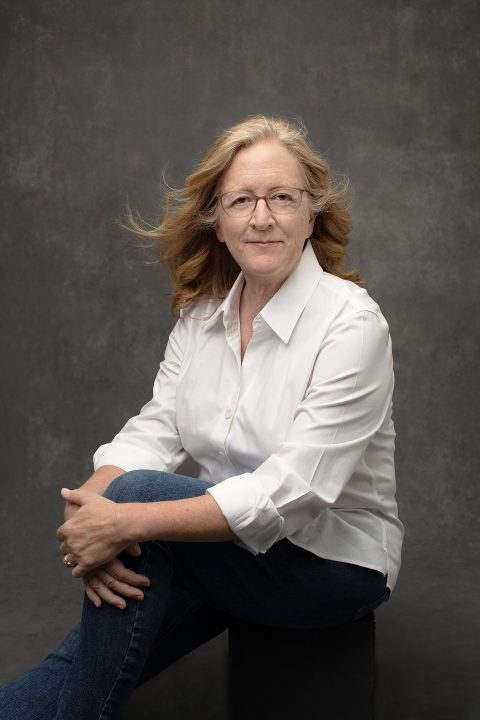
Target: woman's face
column 266, row 245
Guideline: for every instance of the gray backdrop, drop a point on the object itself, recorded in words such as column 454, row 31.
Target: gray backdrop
column 98, row 98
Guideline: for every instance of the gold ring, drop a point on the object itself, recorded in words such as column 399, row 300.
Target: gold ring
column 67, row 562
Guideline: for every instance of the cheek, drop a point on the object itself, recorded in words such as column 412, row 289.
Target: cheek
column 303, row 229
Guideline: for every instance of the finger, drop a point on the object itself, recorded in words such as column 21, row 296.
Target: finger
column 79, row 570
column 117, row 569
column 90, row 593
column 134, row 550
column 77, row 497
column 105, row 593
column 69, row 511
column 117, row 586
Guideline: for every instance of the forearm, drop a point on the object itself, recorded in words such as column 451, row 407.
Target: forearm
column 193, row 519
column 101, row 478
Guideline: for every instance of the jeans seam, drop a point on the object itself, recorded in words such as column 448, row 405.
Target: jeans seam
column 114, row 685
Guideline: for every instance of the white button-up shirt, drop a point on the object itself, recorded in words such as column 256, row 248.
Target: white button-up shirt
column 298, row 438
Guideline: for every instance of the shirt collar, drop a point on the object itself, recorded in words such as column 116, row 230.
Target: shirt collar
column 282, row 312
column 229, row 304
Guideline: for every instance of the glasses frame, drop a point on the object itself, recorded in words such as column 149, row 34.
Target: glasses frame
column 263, row 197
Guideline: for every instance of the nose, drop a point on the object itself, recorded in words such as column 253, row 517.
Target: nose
column 262, row 215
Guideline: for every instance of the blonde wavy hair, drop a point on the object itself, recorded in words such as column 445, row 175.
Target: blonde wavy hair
column 198, row 264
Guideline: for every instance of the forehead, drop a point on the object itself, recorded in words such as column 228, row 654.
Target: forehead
column 265, row 164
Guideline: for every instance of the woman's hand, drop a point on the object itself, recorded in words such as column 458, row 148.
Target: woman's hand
column 70, row 509
column 95, row 533
column 103, row 583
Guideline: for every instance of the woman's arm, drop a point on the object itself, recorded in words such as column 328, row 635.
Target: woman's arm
column 148, row 440
column 101, row 529
column 197, row 519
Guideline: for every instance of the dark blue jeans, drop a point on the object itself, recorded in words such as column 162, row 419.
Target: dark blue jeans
column 196, row 587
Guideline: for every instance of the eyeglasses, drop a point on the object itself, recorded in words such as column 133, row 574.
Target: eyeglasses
column 280, row 201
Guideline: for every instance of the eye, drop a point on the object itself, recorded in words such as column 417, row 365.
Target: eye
column 282, row 196
column 238, row 200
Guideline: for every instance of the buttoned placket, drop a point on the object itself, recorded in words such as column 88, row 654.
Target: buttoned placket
column 244, row 370
column 225, row 423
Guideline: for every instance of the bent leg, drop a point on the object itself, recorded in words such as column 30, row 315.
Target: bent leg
column 287, row 587
column 119, row 649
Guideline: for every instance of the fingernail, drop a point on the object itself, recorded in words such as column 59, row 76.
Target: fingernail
column 121, row 606
column 139, row 597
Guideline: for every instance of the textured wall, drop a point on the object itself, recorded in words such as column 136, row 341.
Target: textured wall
column 98, row 97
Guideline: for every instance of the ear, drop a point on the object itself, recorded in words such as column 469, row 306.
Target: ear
column 218, row 232
column 311, row 223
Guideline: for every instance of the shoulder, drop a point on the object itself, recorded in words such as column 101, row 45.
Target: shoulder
column 200, row 311
column 343, row 296
column 201, row 315
column 341, row 309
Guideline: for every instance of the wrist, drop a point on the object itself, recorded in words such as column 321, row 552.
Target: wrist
column 132, row 527
column 101, row 479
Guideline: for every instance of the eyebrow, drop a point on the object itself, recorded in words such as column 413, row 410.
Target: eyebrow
column 244, row 189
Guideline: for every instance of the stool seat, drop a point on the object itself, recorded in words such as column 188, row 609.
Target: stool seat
column 286, row 674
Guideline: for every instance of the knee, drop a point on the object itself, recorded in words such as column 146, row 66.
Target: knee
column 130, row 487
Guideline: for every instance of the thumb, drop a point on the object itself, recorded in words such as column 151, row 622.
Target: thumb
column 77, row 497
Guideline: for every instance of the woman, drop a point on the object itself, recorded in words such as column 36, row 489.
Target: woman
column 278, row 381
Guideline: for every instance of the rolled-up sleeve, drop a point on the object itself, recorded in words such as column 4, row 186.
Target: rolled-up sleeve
column 150, row 440
column 345, row 404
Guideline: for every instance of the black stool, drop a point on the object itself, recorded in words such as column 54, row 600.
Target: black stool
column 284, row 674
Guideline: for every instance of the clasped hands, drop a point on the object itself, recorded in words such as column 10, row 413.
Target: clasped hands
column 92, row 536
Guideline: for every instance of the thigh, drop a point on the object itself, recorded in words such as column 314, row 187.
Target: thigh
column 285, row 587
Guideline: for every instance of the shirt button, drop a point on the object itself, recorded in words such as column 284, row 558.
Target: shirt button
column 228, row 413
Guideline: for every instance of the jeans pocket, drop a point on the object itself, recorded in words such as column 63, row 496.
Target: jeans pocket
column 366, row 609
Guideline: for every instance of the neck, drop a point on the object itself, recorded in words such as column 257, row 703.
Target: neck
column 255, row 296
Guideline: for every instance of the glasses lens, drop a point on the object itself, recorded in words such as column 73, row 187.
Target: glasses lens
column 238, row 204
column 284, row 200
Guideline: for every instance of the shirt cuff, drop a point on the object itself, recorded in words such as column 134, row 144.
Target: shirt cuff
column 251, row 514
column 128, row 457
